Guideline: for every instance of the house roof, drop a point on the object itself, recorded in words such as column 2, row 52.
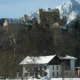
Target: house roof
column 42, row 59
column 77, row 68
column 37, row 60
column 68, row 57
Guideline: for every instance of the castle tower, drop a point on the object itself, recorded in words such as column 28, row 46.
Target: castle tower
column 40, row 15
column 25, row 18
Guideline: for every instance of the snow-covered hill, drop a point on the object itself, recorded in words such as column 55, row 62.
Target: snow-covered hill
column 70, row 9
column 36, row 14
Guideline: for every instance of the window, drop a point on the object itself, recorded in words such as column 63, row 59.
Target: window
column 31, row 73
column 40, row 68
column 45, row 67
column 26, row 68
column 36, row 68
column 57, row 73
column 53, row 73
column 26, row 74
column 40, row 73
column 66, row 73
column 57, row 61
column 57, row 67
column 53, row 67
column 67, row 67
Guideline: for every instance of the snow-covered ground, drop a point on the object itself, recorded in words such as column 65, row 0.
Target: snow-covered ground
column 65, row 79
column 46, row 79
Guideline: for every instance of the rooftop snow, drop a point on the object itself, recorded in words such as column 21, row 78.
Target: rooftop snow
column 68, row 57
column 42, row 59
column 38, row 60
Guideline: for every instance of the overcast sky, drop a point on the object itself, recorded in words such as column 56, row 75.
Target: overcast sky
column 17, row 8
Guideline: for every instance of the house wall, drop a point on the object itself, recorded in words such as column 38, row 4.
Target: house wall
column 29, row 69
column 58, row 70
column 79, row 73
column 72, row 62
column 25, row 71
column 68, row 68
column 54, row 71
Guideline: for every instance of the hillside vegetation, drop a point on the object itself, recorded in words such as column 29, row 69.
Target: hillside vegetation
column 35, row 41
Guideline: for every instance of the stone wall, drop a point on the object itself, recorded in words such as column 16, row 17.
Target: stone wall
column 48, row 17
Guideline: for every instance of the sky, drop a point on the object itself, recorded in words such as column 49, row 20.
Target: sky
column 17, row 8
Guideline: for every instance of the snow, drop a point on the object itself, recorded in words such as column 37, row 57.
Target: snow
column 68, row 57
column 65, row 79
column 47, row 79
column 72, row 16
column 36, row 14
column 37, row 60
column 70, row 9
column 71, row 23
column 28, row 24
column 64, row 27
column 10, row 20
column 42, row 59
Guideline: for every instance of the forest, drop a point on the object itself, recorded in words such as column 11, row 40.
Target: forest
column 37, row 40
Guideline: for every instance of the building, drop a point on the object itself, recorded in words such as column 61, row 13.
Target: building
column 54, row 66
column 63, row 21
column 48, row 16
column 13, row 25
column 11, row 21
column 1, row 22
column 25, row 18
column 77, row 71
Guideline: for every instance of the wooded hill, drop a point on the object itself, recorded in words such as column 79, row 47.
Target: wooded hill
column 35, row 41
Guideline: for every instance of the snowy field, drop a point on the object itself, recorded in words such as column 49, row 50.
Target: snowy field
column 47, row 79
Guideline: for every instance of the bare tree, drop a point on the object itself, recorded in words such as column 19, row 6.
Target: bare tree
column 63, row 70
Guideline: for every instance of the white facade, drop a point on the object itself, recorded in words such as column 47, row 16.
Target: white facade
column 56, row 70
column 72, row 62
column 53, row 70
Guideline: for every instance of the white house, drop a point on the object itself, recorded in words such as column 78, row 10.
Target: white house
column 53, row 65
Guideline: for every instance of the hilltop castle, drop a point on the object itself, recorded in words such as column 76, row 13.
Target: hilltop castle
column 45, row 17
column 48, row 16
